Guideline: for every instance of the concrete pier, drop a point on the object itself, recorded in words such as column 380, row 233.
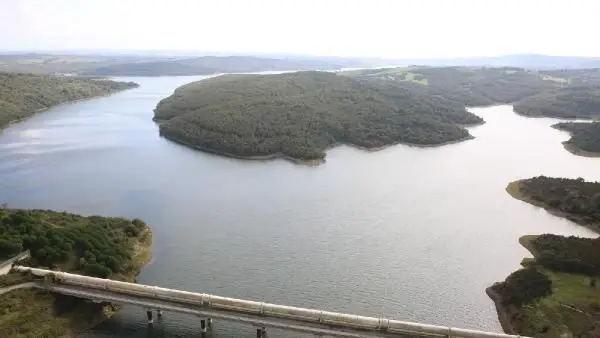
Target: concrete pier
column 149, row 315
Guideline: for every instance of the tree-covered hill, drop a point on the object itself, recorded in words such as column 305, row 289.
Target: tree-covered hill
column 569, row 102
column 471, row 86
column 96, row 246
column 585, row 137
column 22, row 95
column 299, row 115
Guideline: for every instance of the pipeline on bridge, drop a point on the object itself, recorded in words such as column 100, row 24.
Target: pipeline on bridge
column 233, row 305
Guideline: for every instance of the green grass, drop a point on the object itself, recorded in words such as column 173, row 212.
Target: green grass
column 572, row 308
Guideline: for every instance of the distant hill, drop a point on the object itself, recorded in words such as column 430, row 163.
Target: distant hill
column 568, row 102
column 22, row 95
column 209, row 65
column 471, row 86
column 527, row 61
column 300, row 115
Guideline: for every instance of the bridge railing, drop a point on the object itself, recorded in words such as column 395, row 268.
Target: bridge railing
column 246, row 307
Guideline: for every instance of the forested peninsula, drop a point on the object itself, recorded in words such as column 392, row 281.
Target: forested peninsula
column 555, row 294
column 22, row 95
column 585, row 138
column 104, row 247
column 299, row 115
column 575, row 199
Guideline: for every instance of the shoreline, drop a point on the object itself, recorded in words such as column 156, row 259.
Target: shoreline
column 507, row 313
column 313, row 162
column 513, row 189
column 573, row 149
column 37, row 111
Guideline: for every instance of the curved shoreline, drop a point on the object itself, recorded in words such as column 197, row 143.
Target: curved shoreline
column 34, row 113
column 507, row 313
column 513, row 189
column 312, row 162
column 573, row 149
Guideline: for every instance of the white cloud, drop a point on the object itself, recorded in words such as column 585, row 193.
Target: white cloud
column 387, row 28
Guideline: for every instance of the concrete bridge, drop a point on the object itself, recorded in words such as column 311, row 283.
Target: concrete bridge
column 258, row 314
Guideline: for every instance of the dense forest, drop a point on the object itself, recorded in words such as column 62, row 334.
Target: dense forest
column 300, row 115
column 470, row 86
column 95, row 246
column 569, row 102
column 585, row 137
column 21, row 95
column 576, row 199
column 568, row 254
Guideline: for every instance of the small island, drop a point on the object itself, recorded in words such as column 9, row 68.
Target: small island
column 300, row 115
column 574, row 199
column 105, row 247
column 585, row 137
column 22, row 95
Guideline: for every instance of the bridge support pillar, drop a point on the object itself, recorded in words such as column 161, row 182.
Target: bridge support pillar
column 209, row 321
column 149, row 315
column 261, row 332
column 203, row 325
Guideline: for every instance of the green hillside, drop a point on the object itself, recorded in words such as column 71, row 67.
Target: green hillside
column 22, row 95
column 585, row 137
column 569, row 102
column 300, row 115
column 471, row 86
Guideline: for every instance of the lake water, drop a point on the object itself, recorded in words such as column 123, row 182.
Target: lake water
column 411, row 233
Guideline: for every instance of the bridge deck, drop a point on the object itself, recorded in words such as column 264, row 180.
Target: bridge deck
column 254, row 313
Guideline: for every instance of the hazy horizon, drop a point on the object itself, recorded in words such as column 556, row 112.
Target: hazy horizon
column 390, row 29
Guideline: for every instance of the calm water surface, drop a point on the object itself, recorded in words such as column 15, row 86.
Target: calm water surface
column 410, row 233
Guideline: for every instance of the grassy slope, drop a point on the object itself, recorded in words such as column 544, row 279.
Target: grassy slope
column 300, row 115
column 34, row 313
column 22, row 95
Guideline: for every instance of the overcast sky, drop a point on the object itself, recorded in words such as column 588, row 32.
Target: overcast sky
column 382, row 28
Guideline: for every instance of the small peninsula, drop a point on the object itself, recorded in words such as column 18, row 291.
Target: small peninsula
column 555, row 294
column 22, row 95
column 574, row 199
column 585, row 137
column 106, row 247
column 300, row 115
